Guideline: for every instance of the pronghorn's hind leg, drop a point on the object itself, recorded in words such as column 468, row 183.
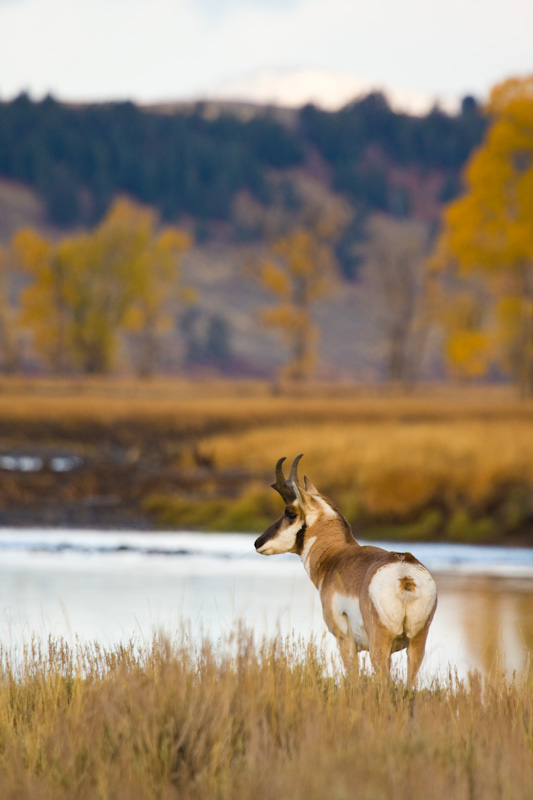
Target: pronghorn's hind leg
column 380, row 648
column 415, row 654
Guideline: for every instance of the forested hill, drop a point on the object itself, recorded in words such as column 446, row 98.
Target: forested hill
column 193, row 163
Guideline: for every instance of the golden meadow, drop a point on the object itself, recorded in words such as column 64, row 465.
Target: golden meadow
column 442, row 463
column 240, row 720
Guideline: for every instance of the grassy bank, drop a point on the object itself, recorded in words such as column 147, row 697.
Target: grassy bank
column 461, row 479
column 439, row 464
column 266, row 721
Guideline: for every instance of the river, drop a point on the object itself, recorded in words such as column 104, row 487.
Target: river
column 112, row 586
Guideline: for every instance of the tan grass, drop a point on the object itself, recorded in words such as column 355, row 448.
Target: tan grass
column 459, row 455
column 394, row 468
column 245, row 402
column 264, row 721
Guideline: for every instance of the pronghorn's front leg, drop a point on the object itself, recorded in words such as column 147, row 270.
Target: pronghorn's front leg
column 336, row 616
column 349, row 655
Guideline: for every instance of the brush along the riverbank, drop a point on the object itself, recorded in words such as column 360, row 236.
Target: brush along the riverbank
column 441, row 464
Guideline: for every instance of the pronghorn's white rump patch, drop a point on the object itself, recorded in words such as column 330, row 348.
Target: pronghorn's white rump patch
column 403, row 612
column 348, row 617
column 283, row 541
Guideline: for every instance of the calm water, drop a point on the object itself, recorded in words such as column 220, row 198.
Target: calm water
column 112, row 586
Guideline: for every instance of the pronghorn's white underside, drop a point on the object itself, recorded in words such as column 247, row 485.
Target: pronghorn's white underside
column 347, row 615
column 403, row 612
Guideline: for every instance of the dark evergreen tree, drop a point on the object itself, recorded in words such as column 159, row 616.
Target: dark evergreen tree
column 79, row 158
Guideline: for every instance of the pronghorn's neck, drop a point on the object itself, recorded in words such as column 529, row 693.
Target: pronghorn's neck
column 322, row 542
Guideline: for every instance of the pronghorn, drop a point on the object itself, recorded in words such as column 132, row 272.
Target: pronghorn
column 372, row 599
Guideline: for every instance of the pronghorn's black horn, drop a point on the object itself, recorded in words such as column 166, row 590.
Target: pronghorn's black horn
column 293, row 475
column 287, row 492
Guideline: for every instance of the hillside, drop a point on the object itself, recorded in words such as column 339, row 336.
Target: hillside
column 226, row 172
column 193, row 160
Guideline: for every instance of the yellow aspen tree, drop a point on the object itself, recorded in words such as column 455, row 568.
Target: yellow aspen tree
column 488, row 232
column 298, row 273
column 157, row 290
column 469, row 344
column 87, row 288
column 44, row 304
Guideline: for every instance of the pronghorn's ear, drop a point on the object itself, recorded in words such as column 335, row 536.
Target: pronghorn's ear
column 309, row 488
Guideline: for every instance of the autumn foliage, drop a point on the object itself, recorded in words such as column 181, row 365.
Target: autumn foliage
column 109, row 297
column 298, row 275
column 85, row 288
column 488, row 243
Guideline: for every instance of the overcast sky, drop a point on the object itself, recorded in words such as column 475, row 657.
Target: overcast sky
column 151, row 50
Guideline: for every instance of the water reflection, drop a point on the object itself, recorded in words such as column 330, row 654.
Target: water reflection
column 496, row 617
column 110, row 587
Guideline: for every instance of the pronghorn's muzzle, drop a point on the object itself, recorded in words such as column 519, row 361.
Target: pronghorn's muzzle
column 270, row 533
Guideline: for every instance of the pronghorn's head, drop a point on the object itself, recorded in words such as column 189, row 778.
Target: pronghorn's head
column 304, row 508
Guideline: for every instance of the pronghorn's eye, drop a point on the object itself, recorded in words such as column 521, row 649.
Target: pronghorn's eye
column 291, row 516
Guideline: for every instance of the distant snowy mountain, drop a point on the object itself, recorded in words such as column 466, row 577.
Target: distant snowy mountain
column 329, row 90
